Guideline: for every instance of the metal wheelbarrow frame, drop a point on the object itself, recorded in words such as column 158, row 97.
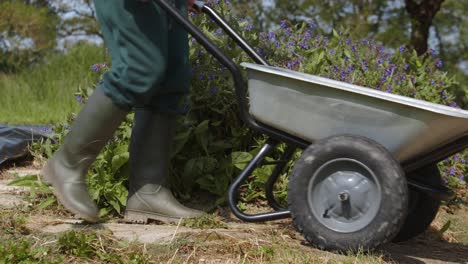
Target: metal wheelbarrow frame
column 277, row 136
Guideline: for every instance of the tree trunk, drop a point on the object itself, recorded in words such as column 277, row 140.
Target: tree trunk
column 422, row 13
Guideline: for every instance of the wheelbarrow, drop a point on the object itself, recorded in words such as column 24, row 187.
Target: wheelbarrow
column 367, row 174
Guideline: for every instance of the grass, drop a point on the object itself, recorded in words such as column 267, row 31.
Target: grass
column 458, row 224
column 19, row 244
column 44, row 94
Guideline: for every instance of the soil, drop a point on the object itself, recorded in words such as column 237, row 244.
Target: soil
column 427, row 248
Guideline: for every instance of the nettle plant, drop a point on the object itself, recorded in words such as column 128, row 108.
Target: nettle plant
column 212, row 144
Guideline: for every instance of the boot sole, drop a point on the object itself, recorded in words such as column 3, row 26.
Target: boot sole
column 46, row 175
column 142, row 217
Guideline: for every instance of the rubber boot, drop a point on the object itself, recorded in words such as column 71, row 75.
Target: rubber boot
column 149, row 194
column 66, row 170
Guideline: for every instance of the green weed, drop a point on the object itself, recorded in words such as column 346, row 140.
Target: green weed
column 207, row 221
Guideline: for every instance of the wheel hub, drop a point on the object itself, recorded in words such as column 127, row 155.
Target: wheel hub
column 344, row 195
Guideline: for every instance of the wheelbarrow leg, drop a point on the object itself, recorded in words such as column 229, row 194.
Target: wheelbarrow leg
column 233, row 189
column 274, row 178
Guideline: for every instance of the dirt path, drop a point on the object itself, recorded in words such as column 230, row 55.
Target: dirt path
column 429, row 248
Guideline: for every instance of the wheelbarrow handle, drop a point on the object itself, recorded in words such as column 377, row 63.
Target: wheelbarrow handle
column 203, row 7
column 239, row 83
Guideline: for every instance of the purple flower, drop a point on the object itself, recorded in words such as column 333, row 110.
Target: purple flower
column 439, row 63
column 462, row 177
column 79, row 99
column 348, row 42
column 456, row 158
column 95, row 67
column 402, row 48
column 389, row 71
column 46, row 129
column 227, row 2
column 213, row 91
column 307, row 36
column 452, row 171
column 332, row 51
column 283, row 24
column 406, row 67
column 354, row 48
column 272, row 36
column 432, row 52
column 363, row 42
column 380, row 60
column 389, row 89
column 432, row 82
column 453, row 104
column 463, row 161
column 335, row 69
column 212, row 77
column 304, row 46
column 364, row 65
column 325, row 41
column 218, row 32
column 346, row 58
column 312, row 24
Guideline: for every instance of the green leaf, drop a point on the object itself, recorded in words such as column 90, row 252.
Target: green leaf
column 47, row 202
column 346, row 52
column 115, row 205
column 26, row 181
column 119, row 160
column 240, row 159
column 201, row 133
column 179, row 142
column 121, row 149
column 335, row 34
column 445, row 227
column 104, row 211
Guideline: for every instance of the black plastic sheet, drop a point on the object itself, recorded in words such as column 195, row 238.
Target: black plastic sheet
column 14, row 140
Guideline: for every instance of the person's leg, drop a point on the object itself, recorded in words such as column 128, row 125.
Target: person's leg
column 138, row 63
column 67, row 168
column 150, row 196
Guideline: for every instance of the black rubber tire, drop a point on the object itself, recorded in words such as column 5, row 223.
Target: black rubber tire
column 422, row 208
column 394, row 194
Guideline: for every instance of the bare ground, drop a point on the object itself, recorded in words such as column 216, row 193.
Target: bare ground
column 273, row 242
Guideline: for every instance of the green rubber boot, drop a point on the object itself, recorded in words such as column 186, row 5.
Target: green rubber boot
column 67, row 168
column 149, row 196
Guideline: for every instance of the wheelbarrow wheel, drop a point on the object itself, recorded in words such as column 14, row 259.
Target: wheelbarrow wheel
column 347, row 193
column 422, row 208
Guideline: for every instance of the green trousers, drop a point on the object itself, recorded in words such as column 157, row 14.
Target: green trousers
column 149, row 53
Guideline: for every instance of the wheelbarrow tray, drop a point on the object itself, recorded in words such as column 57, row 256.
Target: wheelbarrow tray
column 312, row 108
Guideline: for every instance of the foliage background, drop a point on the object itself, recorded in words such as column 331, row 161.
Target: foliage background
column 212, row 145
column 42, row 84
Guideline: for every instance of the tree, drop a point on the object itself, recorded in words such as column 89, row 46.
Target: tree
column 27, row 32
column 422, row 14
column 78, row 19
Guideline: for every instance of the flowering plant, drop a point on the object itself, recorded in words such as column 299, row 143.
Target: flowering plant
column 212, row 144
column 336, row 56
